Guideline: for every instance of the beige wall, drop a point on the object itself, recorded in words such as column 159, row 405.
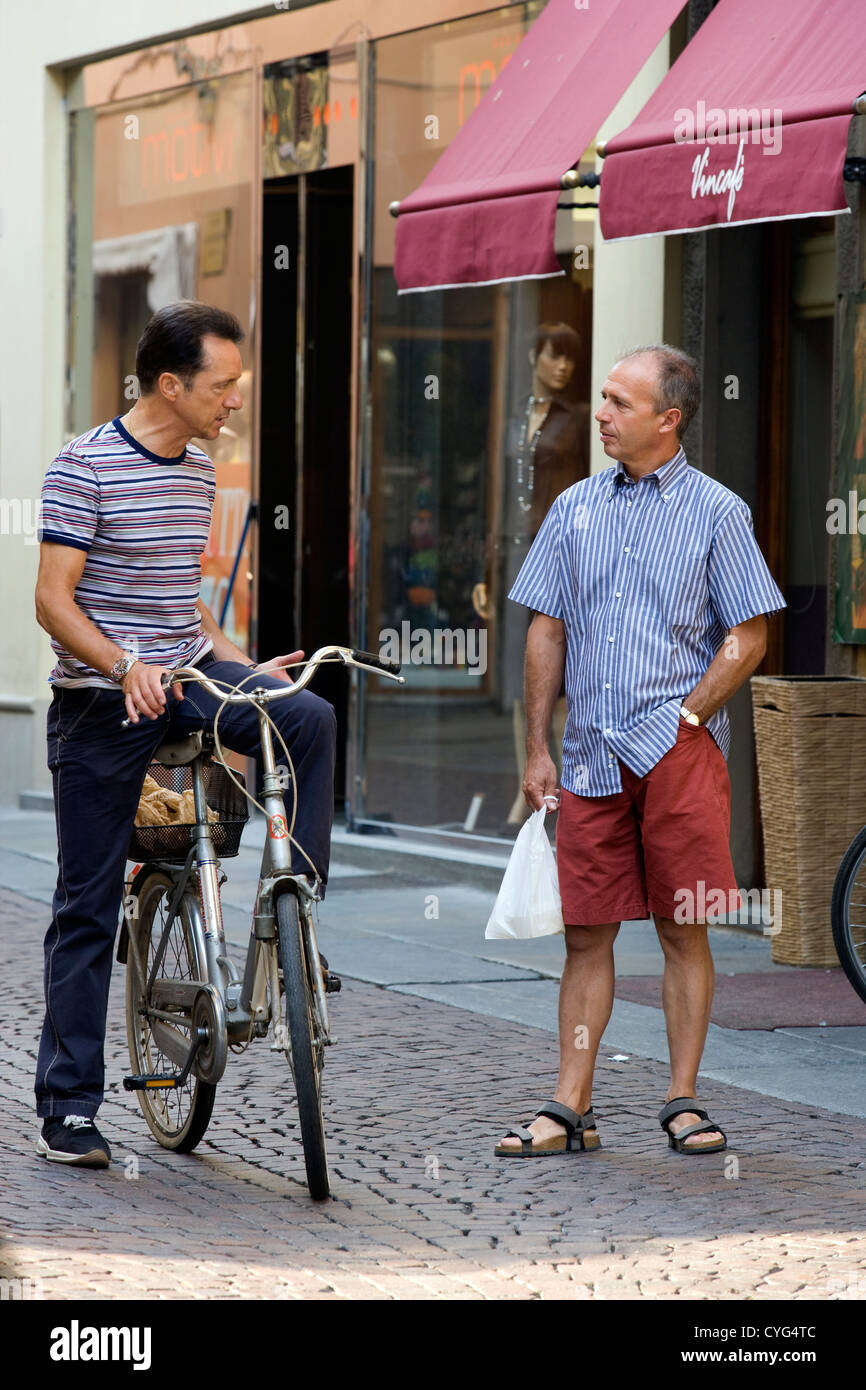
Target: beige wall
column 628, row 276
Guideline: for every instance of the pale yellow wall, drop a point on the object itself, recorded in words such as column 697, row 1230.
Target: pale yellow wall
column 628, row 276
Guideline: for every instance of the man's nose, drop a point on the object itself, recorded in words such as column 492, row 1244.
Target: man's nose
column 234, row 401
column 601, row 414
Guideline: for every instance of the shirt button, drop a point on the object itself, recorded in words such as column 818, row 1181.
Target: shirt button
column 625, row 548
column 628, row 504
column 618, row 593
column 609, row 731
column 607, row 685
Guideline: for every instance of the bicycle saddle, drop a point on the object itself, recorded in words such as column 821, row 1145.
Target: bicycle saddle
column 176, row 752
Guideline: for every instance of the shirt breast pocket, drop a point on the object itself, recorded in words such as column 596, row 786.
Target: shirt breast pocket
column 689, row 592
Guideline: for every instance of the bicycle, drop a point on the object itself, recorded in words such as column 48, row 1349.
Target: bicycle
column 185, row 1003
column 848, row 913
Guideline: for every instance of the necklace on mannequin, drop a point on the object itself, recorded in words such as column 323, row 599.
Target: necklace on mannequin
column 524, row 502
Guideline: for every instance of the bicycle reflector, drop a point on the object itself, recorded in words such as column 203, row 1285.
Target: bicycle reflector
column 155, row 1082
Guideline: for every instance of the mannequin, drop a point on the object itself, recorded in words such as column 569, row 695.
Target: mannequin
column 546, row 450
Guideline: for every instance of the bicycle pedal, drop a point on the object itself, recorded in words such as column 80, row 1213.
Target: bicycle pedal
column 333, row 984
column 155, row 1081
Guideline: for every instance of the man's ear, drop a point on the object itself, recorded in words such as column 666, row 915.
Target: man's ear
column 168, row 385
column 672, row 420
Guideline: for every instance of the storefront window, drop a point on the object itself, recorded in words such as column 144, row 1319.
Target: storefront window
column 162, row 204
column 462, row 468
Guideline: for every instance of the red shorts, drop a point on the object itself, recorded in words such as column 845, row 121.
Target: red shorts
column 660, row 845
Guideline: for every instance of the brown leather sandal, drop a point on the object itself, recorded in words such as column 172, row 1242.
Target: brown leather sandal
column 575, row 1140
column 688, row 1105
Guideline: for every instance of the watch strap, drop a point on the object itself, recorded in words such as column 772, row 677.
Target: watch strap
column 122, row 667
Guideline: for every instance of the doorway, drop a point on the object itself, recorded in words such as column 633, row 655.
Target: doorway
column 302, row 597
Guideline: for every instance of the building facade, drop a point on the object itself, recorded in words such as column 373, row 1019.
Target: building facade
column 370, row 490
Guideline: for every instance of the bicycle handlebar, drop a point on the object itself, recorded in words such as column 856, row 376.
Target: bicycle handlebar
column 379, row 663
column 349, row 656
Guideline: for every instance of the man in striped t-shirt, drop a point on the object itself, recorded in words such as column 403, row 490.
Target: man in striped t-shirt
column 126, row 510
column 650, row 594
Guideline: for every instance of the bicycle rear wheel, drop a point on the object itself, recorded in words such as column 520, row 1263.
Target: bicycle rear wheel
column 177, row 1118
column 848, row 913
column 307, row 1047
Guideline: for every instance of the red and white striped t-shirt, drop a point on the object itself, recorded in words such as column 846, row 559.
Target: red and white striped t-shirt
column 144, row 522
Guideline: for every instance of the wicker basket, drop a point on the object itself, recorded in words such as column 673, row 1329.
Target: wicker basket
column 170, row 843
column 810, row 740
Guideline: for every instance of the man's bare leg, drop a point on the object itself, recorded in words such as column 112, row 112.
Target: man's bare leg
column 687, row 996
column 585, row 1003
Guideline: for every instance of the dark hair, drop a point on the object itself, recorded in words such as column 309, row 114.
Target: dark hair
column 563, row 339
column 678, row 383
column 171, row 341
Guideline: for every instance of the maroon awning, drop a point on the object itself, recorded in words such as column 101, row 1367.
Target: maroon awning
column 750, row 124
column 487, row 209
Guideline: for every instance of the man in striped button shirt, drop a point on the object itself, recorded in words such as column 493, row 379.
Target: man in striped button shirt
column 650, row 592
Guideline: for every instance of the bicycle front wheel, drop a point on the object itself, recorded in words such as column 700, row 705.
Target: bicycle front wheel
column 177, row 1118
column 306, row 1047
column 848, row 913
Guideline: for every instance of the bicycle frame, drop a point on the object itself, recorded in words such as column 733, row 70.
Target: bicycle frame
column 249, row 1004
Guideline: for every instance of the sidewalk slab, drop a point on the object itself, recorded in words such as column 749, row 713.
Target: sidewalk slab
column 416, row 1094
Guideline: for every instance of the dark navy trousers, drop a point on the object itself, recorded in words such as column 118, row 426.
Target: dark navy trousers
column 98, row 768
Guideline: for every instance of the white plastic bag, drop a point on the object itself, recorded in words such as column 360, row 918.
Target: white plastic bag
column 528, row 904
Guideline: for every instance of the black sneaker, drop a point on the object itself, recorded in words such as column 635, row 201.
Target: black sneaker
column 73, row 1139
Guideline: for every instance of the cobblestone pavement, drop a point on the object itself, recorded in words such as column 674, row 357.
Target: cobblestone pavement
column 417, row 1093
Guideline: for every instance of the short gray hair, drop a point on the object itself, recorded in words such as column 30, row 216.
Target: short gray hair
column 678, row 384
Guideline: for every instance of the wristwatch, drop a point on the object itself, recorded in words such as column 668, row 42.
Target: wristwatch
column 122, row 667
column 688, row 716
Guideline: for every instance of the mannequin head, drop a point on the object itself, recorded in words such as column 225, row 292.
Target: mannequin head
column 553, row 358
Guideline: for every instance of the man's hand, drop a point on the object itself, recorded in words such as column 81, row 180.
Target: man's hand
column 143, row 689
column 275, row 666
column 545, row 663
column 539, row 780
column 741, row 653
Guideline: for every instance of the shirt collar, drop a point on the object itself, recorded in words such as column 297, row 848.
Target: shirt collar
column 668, row 475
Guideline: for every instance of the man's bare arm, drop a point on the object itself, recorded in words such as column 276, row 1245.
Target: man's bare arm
column 225, row 650
column 733, row 663
column 60, row 568
column 545, row 663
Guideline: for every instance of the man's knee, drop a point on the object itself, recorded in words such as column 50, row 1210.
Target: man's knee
column 579, row 940
column 312, row 716
column 324, row 717
column 681, row 938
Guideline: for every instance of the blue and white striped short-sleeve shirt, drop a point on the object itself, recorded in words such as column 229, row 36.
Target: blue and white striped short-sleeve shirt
column 647, row 577
column 144, row 522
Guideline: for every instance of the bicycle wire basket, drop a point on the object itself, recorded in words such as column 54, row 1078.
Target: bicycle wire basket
column 171, row 843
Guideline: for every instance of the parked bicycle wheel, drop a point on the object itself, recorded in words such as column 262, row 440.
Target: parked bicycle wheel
column 305, row 1036
column 177, row 1118
column 848, row 913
